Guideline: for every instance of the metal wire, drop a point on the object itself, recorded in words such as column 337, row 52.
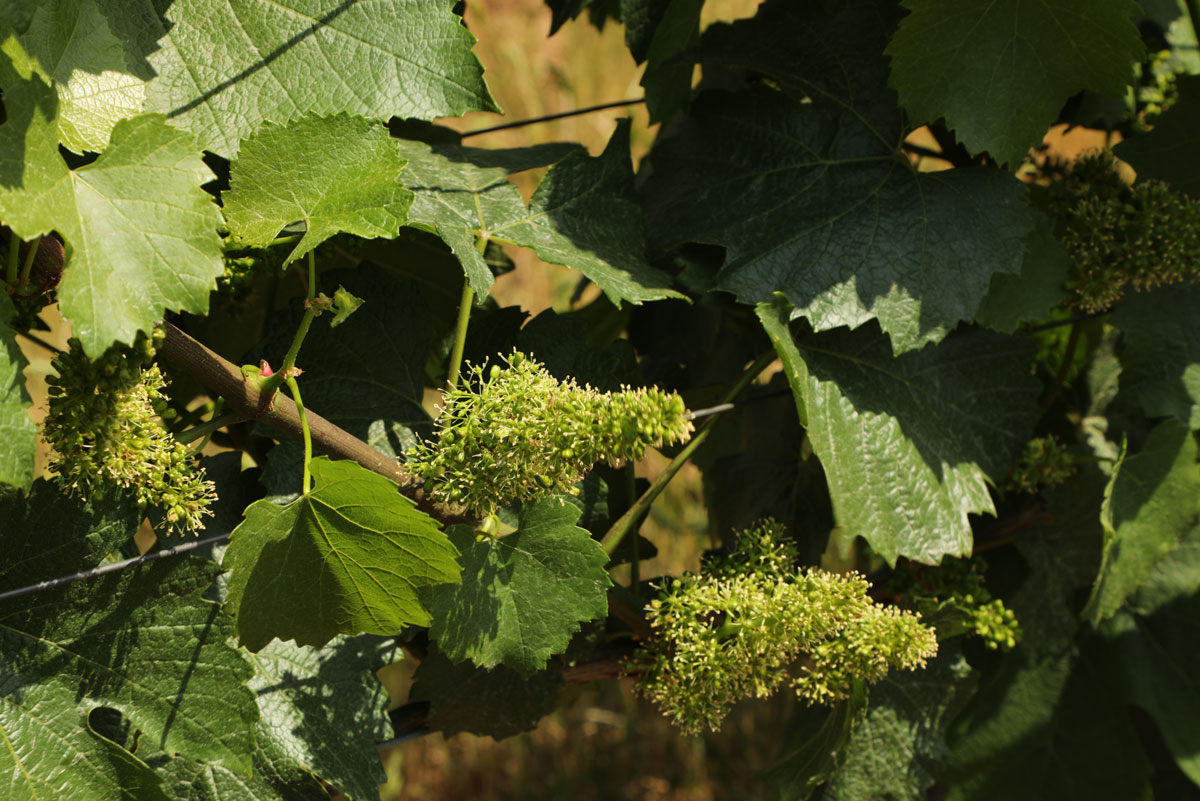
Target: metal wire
column 110, row 568
column 552, row 117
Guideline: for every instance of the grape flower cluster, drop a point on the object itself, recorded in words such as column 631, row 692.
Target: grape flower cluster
column 1120, row 236
column 516, row 433
column 1045, row 462
column 104, row 426
column 954, row 593
column 751, row 621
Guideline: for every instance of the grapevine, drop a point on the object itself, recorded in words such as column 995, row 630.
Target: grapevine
column 818, row 419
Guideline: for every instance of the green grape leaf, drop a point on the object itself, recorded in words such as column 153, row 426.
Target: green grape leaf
column 141, row 641
column 999, row 71
column 909, row 442
column 668, row 76
column 1015, row 299
column 82, row 765
column 584, row 213
column 1044, row 728
column 70, row 44
column 523, row 595
column 18, row 434
column 226, row 66
column 1151, row 508
column 346, row 558
column 1160, row 352
column 1062, row 552
column 1167, row 152
column 897, row 744
column 141, row 235
column 497, row 703
column 1154, row 639
column 335, row 174
column 313, row 698
column 809, row 755
column 807, row 190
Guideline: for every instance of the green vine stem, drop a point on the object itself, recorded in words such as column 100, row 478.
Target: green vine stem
column 295, row 388
column 465, row 302
column 271, row 384
column 619, row 529
column 27, row 267
column 14, row 260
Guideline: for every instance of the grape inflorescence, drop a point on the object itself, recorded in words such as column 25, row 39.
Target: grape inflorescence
column 515, row 432
column 750, row 622
column 104, row 426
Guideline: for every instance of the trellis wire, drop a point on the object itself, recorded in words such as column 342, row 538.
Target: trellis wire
column 551, row 117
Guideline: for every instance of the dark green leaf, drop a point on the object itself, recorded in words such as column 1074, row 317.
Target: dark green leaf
column 1160, row 352
column 1045, row 728
column 668, row 76
column 335, row 174
column 896, row 747
column 999, row 71
column 1032, row 295
column 1168, row 153
column 909, row 442
column 346, row 558
column 1062, row 554
column 141, row 234
column 523, row 595
column 809, row 193
column 1151, row 509
column 497, row 703
column 226, row 66
column 802, row 769
column 324, row 709
column 141, row 641
column 584, row 213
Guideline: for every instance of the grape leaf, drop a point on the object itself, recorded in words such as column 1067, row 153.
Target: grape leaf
column 668, row 76
column 275, row 777
column 1154, row 640
column 523, row 595
column 141, row 235
column 999, row 71
column 1062, row 554
column 18, row 434
column 226, row 66
column 1167, row 152
column 584, row 213
column 1151, row 508
column 1032, row 295
column 70, row 44
column 81, row 765
column 808, row 193
column 1160, row 352
column 312, row 700
column 1044, row 728
column 908, row 442
column 348, row 557
column 896, row 746
column 141, row 641
column 497, row 703
column 809, row 754
column 333, row 173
